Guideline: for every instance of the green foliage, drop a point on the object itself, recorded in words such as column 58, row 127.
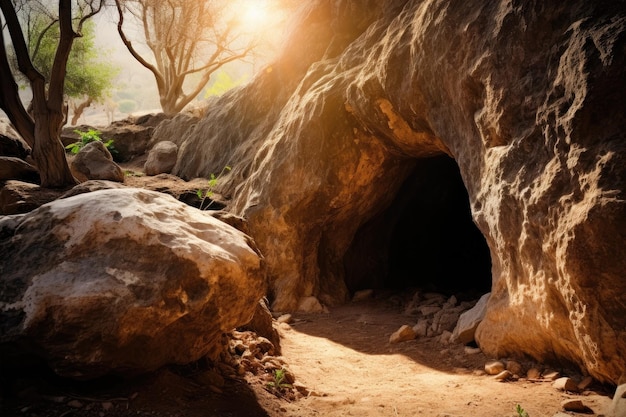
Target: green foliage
column 278, row 384
column 222, row 83
column 87, row 137
column 208, row 193
column 520, row 411
column 88, row 75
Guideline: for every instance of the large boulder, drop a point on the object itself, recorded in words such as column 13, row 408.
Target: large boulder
column 12, row 168
column 122, row 281
column 10, row 142
column 527, row 98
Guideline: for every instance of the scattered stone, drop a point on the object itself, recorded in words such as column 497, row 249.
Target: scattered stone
column 494, row 367
column 533, row 373
column 503, row 376
column 469, row 321
column 451, row 302
column 106, row 406
column 421, row 328
column 94, row 162
column 429, row 310
column 362, row 295
column 514, row 367
column 445, row 337
column 161, row 158
column 471, row 350
column 585, row 383
column 262, row 324
column 75, row 404
column 403, row 334
column 565, row 384
column 552, row 375
column 576, row 406
column 311, row 305
column 284, row 318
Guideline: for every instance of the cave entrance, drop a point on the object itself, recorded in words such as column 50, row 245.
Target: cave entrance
column 426, row 239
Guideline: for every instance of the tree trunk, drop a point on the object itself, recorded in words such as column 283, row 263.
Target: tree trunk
column 49, row 153
column 78, row 110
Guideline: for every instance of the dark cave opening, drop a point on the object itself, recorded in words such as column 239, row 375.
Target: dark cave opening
column 426, row 239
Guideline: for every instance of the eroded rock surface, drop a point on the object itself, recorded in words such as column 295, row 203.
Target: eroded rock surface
column 528, row 100
column 122, row 281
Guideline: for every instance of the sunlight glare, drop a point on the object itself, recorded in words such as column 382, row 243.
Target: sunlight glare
column 255, row 15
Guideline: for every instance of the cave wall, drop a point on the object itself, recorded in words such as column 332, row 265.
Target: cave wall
column 527, row 97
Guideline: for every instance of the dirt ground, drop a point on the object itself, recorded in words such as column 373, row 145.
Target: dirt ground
column 343, row 361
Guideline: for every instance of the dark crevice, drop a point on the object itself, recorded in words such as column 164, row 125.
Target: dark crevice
column 426, row 239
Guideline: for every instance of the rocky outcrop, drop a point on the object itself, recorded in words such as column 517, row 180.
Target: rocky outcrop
column 527, row 99
column 122, row 281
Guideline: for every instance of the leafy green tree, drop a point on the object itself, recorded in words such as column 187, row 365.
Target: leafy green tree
column 41, row 127
column 89, row 77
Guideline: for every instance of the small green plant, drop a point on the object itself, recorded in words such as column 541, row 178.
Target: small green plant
column 279, row 383
column 87, row 137
column 520, row 411
column 208, row 193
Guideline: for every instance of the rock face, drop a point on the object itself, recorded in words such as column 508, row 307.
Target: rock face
column 122, row 281
column 527, row 98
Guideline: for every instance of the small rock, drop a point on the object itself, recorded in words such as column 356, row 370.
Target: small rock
column 429, row 310
column 576, row 406
column 494, row 367
column 284, row 318
column 533, row 373
column 106, row 406
column 514, row 367
column 75, row 404
column 552, row 375
column 421, row 328
column 585, row 383
column 311, row 305
column 403, row 334
column 445, row 337
column 565, row 384
column 362, row 295
column 503, row 376
column 472, row 350
column 161, row 158
column 469, row 321
column 451, row 302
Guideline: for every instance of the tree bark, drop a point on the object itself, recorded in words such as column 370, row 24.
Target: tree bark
column 78, row 110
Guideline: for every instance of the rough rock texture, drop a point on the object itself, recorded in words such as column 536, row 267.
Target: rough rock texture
column 10, row 142
column 94, row 162
column 12, row 168
column 21, row 197
column 161, row 158
column 527, row 97
column 122, row 281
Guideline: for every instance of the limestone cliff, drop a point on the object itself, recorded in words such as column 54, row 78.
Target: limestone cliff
column 527, row 97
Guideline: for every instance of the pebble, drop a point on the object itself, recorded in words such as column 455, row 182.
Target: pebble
column 284, row 318
column 429, row 310
column 552, row 375
column 107, row 405
column 403, row 334
column 503, row 376
column 494, row 367
column 445, row 337
column 421, row 328
column 362, row 295
column 514, row 367
column 75, row 404
column 565, row 384
column 576, row 406
column 472, row 350
column 533, row 373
